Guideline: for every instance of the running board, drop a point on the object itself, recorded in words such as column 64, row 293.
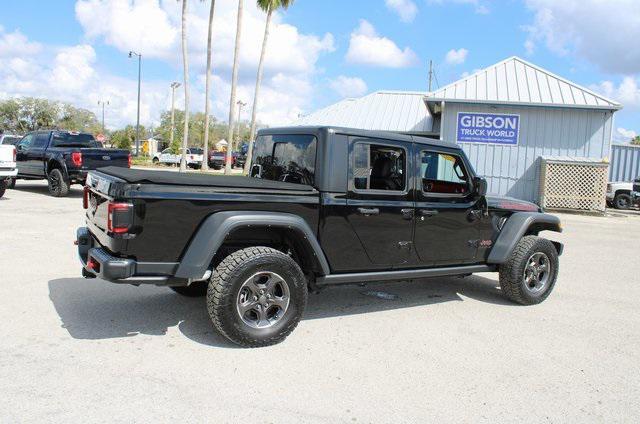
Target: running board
column 409, row 274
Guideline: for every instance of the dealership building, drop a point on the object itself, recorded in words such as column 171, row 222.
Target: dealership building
column 532, row 134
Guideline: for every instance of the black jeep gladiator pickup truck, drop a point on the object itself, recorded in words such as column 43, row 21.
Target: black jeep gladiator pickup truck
column 63, row 158
column 322, row 206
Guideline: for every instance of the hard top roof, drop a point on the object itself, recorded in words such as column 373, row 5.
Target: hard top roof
column 388, row 135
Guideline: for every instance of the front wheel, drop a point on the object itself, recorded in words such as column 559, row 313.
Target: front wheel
column 257, row 296
column 3, row 187
column 58, row 184
column 530, row 273
column 155, row 161
column 622, row 201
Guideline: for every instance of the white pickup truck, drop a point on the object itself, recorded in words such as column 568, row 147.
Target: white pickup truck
column 7, row 166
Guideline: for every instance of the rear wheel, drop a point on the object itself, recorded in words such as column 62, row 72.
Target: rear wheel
column 196, row 289
column 622, row 201
column 155, row 161
column 58, row 184
column 3, row 187
column 256, row 296
column 531, row 272
column 11, row 183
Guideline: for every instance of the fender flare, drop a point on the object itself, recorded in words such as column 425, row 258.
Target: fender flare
column 215, row 228
column 55, row 160
column 516, row 226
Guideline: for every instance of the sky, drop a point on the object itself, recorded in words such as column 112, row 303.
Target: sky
column 319, row 52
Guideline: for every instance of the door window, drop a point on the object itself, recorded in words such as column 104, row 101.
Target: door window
column 40, row 141
column 443, row 174
column 379, row 167
column 26, row 142
column 290, row 158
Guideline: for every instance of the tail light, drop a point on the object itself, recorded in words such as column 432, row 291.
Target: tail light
column 14, row 153
column 119, row 217
column 85, row 197
column 76, row 159
column 129, row 161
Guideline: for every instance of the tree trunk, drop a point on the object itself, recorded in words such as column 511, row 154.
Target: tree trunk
column 185, row 62
column 234, row 83
column 254, row 111
column 205, row 157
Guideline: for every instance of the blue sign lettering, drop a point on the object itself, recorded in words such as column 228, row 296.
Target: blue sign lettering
column 488, row 128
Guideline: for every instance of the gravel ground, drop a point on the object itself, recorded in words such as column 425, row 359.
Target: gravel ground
column 442, row 350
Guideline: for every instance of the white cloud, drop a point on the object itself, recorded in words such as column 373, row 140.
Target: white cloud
column 604, row 33
column 405, row 9
column 627, row 92
column 366, row 47
column 479, row 5
column 456, row 57
column 348, row 86
column 623, row 135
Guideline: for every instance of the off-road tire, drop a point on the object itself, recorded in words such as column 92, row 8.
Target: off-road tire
column 11, row 183
column 226, row 282
column 622, row 201
column 512, row 280
column 58, row 184
column 195, row 289
column 3, row 187
column 155, row 161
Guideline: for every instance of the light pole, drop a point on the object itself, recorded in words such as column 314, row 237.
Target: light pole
column 241, row 104
column 103, row 103
column 174, row 85
column 139, row 55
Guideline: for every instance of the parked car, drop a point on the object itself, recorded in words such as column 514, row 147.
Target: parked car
column 239, row 159
column 194, row 157
column 7, row 166
column 635, row 193
column 331, row 206
column 63, row 158
column 217, row 159
column 9, row 139
column 619, row 195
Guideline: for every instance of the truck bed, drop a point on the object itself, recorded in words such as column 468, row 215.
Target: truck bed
column 140, row 176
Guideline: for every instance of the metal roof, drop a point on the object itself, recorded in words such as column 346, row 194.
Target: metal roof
column 516, row 81
column 382, row 110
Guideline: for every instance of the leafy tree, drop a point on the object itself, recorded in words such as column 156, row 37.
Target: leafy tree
column 26, row 114
column 77, row 119
column 125, row 138
column 636, row 140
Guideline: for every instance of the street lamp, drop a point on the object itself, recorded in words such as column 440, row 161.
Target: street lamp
column 174, row 85
column 139, row 55
column 240, row 104
column 103, row 103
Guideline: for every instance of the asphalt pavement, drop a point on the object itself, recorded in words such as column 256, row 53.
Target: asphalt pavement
column 440, row 350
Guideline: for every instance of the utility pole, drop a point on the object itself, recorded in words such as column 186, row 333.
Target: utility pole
column 103, row 103
column 139, row 55
column 430, row 74
column 174, row 85
column 241, row 104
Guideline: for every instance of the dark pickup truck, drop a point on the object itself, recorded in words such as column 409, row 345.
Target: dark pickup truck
column 323, row 206
column 63, row 158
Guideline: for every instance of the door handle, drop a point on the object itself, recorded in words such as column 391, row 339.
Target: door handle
column 407, row 213
column 428, row 212
column 369, row 211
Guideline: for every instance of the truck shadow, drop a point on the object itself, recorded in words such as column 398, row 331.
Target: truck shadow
column 74, row 191
column 94, row 309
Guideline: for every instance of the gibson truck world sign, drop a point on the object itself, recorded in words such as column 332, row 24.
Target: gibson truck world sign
column 488, row 128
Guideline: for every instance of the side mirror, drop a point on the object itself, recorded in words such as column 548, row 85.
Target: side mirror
column 256, row 171
column 480, row 186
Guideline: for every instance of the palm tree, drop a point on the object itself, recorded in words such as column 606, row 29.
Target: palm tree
column 234, row 83
column 185, row 64
column 268, row 6
column 205, row 160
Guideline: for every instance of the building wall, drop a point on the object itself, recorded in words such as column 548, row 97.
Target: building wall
column 625, row 163
column 544, row 131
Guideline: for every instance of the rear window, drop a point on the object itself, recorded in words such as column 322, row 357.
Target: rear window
column 67, row 139
column 195, row 151
column 11, row 140
column 289, row 158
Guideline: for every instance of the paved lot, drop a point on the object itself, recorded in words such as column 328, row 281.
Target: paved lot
column 445, row 350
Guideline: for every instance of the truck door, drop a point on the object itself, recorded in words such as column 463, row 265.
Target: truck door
column 35, row 154
column 448, row 213
column 380, row 206
column 22, row 148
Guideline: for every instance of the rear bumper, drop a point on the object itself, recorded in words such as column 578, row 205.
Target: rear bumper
column 8, row 172
column 98, row 262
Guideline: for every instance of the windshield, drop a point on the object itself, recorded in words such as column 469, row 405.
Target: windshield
column 196, row 151
column 67, row 139
column 290, row 158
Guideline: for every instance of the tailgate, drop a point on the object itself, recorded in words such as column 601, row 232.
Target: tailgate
column 98, row 158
